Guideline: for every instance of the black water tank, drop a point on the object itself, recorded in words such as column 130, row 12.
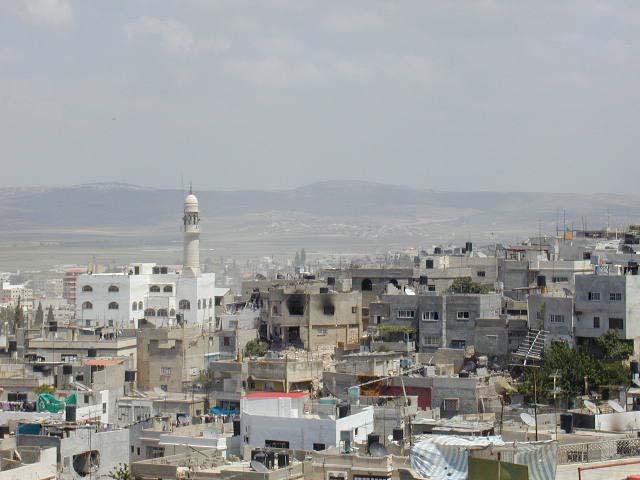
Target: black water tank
column 468, row 247
column 398, row 434
column 371, row 439
column 283, row 460
column 463, row 374
column 566, row 422
column 541, row 281
column 271, row 459
column 236, row 427
column 343, row 410
column 70, row 413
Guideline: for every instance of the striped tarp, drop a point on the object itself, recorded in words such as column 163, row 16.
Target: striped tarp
column 447, row 457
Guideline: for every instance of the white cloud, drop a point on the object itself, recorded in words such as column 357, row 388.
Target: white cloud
column 175, row 36
column 55, row 13
column 345, row 21
column 274, row 71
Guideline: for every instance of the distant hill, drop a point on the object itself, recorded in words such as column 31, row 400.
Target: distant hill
column 331, row 215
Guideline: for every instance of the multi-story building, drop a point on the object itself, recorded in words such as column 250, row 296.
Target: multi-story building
column 607, row 302
column 13, row 294
column 153, row 292
column 69, row 284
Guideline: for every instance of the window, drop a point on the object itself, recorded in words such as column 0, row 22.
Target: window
column 104, row 407
column 134, row 306
column 615, row 297
column 132, row 449
column 218, row 302
column 165, row 371
column 431, row 341
column 406, row 313
column 194, row 371
column 462, row 315
column 164, row 270
column 329, row 309
column 428, row 264
column 596, row 322
column 139, row 305
column 322, row 331
column 87, row 323
column 377, row 319
column 559, row 279
column 331, row 280
column 367, row 285
column 553, row 318
column 365, row 312
column 458, row 343
column 111, row 323
column 431, row 288
column 167, row 289
column 616, row 324
column 450, row 404
column 226, row 341
column 114, row 306
column 199, row 304
column 594, row 296
column 274, row 309
column 87, row 306
column 184, row 305
column 481, row 273
column 276, row 443
column 430, row 316
column 150, row 312
column 114, row 288
column 318, row 447
column 154, row 288
column 87, row 288
column 162, row 312
column 354, row 309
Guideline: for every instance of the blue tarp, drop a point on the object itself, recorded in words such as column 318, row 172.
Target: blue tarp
column 29, row 428
column 222, row 411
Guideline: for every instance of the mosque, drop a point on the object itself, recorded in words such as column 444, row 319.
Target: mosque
column 159, row 294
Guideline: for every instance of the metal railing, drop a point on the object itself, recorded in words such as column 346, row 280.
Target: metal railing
column 598, row 451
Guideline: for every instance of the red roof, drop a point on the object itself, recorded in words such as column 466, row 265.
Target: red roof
column 276, row 395
column 103, row 362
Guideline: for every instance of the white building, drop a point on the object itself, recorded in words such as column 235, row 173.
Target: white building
column 290, row 420
column 12, row 294
column 153, row 292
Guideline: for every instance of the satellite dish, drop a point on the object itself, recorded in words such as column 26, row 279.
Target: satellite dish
column 616, row 407
column 377, row 450
column 528, row 419
column 390, row 438
column 259, row 466
column 589, row 405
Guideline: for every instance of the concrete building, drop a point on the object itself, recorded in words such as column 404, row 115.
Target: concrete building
column 32, row 463
column 11, row 295
column 311, row 316
column 69, row 284
column 290, row 420
column 438, row 271
column 555, row 314
column 80, row 450
column 171, row 358
column 607, row 302
column 154, row 292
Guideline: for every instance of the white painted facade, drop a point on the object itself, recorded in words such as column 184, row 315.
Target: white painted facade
column 281, row 420
column 153, row 292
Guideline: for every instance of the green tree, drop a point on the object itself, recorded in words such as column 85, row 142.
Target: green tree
column 18, row 316
column 39, row 314
column 303, row 257
column 255, row 349
column 50, row 317
column 466, row 285
column 45, row 389
column 120, row 472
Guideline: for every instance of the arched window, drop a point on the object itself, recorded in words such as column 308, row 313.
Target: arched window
column 167, row 289
column 367, row 285
column 199, row 305
column 210, row 302
column 114, row 306
column 162, row 312
column 134, row 306
column 172, row 313
column 139, row 305
column 149, row 312
column 87, row 306
column 184, row 305
column 114, row 288
column 154, row 288
column 87, row 288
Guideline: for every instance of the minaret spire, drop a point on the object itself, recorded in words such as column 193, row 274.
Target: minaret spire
column 191, row 235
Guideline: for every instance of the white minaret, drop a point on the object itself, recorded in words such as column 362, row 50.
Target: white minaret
column 191, row 232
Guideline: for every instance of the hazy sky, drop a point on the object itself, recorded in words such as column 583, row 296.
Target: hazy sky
column 455, row 95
